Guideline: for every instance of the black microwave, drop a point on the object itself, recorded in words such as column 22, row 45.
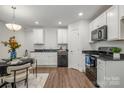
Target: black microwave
column 99, row 34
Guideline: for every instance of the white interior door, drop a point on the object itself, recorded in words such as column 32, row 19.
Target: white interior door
column 74, row 49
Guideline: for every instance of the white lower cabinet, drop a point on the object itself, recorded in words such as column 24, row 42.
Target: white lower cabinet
column 100, row 73
column 110, row 74
column 46, row 58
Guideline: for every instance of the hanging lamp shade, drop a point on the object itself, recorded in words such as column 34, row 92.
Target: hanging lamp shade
column 13, row 27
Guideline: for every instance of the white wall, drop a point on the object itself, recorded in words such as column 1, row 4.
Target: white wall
column 50, row 39
column 82, row 27
column 5, row 35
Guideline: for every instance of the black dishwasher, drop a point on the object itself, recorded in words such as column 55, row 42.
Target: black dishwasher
column 62, row 59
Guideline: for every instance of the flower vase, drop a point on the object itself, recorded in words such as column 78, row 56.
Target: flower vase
column 13, row 54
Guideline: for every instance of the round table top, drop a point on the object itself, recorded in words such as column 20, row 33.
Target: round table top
column 4, row 65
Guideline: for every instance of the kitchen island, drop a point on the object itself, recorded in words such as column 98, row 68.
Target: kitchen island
column 109, row 71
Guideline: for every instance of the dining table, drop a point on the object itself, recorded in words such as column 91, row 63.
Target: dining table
column 6, row 63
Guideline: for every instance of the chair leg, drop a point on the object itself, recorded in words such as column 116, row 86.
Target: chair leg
column 27, row 82
column 27, row 77
column 33, row 70
column 36, row 71
column 12, row 84
column 6, row 86
column 14, row 79
column 36, row 68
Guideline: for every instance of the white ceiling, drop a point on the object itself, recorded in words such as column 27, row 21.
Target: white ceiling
column 49, row 15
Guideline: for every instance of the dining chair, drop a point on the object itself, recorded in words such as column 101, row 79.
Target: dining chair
column 34, row 65
column 17, row 73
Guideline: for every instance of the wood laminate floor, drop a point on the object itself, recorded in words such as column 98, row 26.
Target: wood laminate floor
column 65, row 78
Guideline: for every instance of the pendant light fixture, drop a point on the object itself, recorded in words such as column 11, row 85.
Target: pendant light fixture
column 13, row 26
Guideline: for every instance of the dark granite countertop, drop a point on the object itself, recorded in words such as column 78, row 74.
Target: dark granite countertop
column 44, row 50
column 110, row 58
column 47, row 50
column 95, row 52
column 103, row 55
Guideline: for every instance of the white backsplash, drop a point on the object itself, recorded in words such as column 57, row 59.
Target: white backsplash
column 119, row 44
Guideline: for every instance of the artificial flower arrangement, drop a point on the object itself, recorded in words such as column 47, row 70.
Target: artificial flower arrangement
column 13, row 45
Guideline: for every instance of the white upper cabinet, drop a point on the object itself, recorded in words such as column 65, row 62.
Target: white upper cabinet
column 95, row 24
column 62, row 36
column 114, row 19
column 102, row 20
column 90, row 30
column 38, row 36
column 113, row 23
column 98, row 22
column 121, row 11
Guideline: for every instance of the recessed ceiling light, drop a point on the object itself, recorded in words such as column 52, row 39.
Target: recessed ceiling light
column 59, row 22
column 80, row 14
column 36, row 22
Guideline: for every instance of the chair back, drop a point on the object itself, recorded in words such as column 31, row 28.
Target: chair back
column 18, row 68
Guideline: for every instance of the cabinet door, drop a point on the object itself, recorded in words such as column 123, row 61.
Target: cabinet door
column 102, row 20
column 38, row 36
column 64, row 36
column 114, row 74
column 95, row 24
column 112, row 23
column 101, row 73
column 38, row 57
column 33, row 55
column 90, row 30
column 50, row 59
column 60, row 35
column 121, row 11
